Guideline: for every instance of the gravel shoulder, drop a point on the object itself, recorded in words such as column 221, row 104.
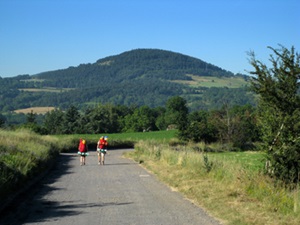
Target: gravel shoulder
column 120, row 192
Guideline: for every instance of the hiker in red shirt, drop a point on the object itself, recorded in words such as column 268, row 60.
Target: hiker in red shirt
column 82, row 151
column 100, row 147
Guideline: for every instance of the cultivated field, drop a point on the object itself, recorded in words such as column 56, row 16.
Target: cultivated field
column 49, row 89
column 205, row 81
column 37, row 110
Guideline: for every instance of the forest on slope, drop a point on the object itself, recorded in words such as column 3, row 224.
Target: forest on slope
column 137, row 77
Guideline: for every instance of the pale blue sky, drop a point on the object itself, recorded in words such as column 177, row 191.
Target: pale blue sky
column 43, row 35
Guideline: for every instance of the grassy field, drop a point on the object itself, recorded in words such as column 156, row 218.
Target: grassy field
column 136, row 136
column 37, row 110
column 251, row 160
column 230, row 186
column 203, row 81
column 55, row 90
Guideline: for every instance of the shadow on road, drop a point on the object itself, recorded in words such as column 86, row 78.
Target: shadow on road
column 17, row 209
column 30, row 206
column 53, row 211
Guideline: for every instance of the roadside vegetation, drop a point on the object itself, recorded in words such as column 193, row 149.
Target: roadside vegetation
column 231, row 186
column 24, row 155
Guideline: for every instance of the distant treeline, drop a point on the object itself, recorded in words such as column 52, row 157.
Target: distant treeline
column 235, row 125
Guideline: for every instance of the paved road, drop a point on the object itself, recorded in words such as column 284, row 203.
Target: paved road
column 120, row 192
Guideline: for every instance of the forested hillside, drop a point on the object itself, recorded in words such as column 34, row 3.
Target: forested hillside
column 138, row 77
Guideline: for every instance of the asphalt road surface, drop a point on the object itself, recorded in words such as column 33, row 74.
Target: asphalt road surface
column 120, row 192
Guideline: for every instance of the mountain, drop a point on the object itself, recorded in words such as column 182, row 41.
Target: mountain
column 136, row 77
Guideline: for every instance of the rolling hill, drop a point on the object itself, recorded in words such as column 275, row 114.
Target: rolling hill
column 136, row 77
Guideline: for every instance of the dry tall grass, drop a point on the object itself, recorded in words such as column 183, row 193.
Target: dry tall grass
column 37, row 110
column 228, row 191
column 23, row 155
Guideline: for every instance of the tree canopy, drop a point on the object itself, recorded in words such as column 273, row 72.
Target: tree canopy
column 279, row 110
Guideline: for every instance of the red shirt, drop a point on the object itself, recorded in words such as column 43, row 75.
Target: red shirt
column 101, row 143
column 82, row 147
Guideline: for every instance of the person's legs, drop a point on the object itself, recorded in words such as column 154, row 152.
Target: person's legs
column 83, row 158
column 103, row 157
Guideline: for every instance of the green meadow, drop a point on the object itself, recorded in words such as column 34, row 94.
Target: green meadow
column 136, row 136
column 210, row 81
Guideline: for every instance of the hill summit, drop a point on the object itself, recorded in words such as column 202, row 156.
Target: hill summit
column 133, row 65
column 136, row 77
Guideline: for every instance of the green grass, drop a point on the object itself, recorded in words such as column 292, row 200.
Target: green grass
column 137, row 136
column 207, row 81
column 23, row 155
column 160, row 136
column 230, row 185
column 253, row 160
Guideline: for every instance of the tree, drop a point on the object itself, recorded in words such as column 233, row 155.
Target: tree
column 177, row 113
column 53, row 122
column 102, row 119
column 2, row 120
column 71, row 121
column 244, row 129
column 31, row 117
column 200, row 129
column 31, row 122
column 142, row 119
column 160, row 121
column 279, row 110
